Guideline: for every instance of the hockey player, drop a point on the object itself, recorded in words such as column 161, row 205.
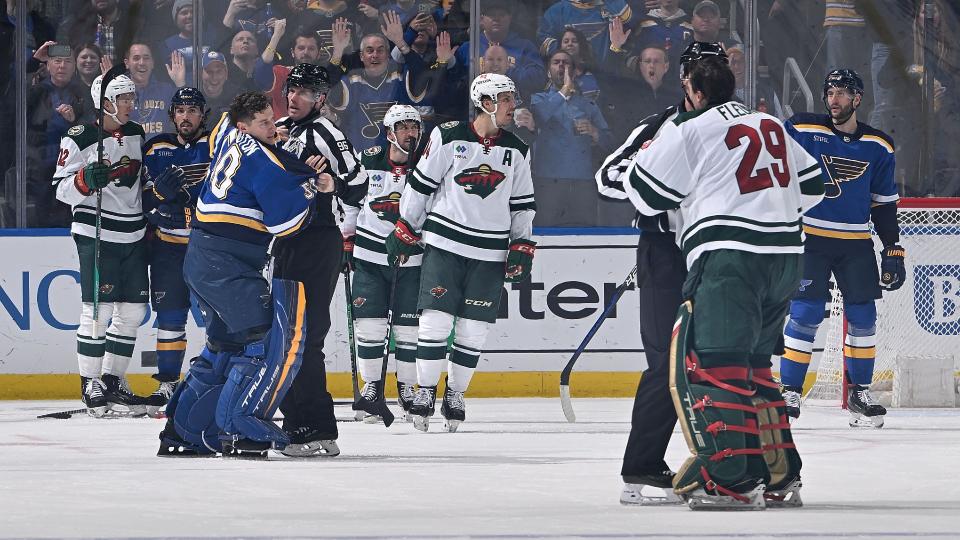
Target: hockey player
column 122, row 261
column 365, row 231
column 308, row 408
column 660, row 274
column 174, row 167
column 859, row 164
column 477, row 235
column 254, row 192
column 740, row 185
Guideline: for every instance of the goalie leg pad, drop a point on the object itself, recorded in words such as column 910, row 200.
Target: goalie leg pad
column 195, row 402
column 779, row 451
column 261, row 375
column 718, row 419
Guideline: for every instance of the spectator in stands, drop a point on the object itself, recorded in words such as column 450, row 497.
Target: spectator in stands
column 305, row 50
column 667, row 27
column 87, row 57
column 106, row 23
column 53, row 105
column 591, row 18
column 252, row 16
column 183, row 19
column 574, row 42
column 847, row 43
column 527, row 69
column 249, row 69
column 766, row 100
column 705, row 22
column 215, row 83
column 570, row 126
column 424, row 61
column 890, row 24
column 362, row 97
column 153, row 96
column 319, row 16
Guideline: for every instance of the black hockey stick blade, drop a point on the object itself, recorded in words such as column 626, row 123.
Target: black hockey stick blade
column 377, row 408
column 565, row 402
column 62, row 415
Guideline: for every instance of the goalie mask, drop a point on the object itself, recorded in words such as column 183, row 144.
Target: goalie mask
column 119, row 85
column 490, row 85
column 398, row 114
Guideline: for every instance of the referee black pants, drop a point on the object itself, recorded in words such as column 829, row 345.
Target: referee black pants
column 311, row 257
column 661, row 272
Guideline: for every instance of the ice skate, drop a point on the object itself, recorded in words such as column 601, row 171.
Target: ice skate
column 649, row 490
column 172, row 445
column 120, row 400
column 309, row 442
column 791, row 396
column 699, row 499
column 453, row 409
column 92, row 391
column 787, row 497
column 373, row 405
column 159, row 398
column 245, row 449
column 865, row 411
column 405, row 395
column 423, row 407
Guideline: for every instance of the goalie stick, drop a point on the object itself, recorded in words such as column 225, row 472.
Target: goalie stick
column 565, row 402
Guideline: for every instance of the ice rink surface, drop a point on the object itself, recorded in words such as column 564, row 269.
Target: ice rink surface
column 516, row 469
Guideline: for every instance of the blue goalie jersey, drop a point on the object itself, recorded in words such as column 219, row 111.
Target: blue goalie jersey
column 164, row 151
column 253, row 191
column 858, row 171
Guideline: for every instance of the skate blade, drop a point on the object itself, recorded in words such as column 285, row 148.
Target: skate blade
column 97, row 412
column 451, row 425
column 359, row 416
column 632, row 498
column 325, row 448
column 181, row 452
column 130, row 411
column 156, row 412
column 700, row 500
column 407, row 417
column 858, row 421
column 788, row 497
column 422, row 423
column 372, row 419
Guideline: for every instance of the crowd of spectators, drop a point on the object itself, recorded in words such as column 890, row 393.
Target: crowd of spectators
column 586, row 70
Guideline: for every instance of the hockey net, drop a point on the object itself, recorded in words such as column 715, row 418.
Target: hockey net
column 920, row 320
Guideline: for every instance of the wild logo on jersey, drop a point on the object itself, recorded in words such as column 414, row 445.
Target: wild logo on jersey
column 482, row 180
column 841, row 169
column 387, row 207
column 125, row 172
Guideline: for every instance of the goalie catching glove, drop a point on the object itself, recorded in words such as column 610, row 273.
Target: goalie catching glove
column 519, row 260
column 91, row 178
column 892, row 270
column 403, row 243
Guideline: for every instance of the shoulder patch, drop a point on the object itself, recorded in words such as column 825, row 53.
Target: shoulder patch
column 75, row 130
column 372, row 151
column 450, row 124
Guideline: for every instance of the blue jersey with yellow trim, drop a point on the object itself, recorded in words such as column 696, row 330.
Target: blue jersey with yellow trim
column 253, row 191
column 164, row 151
column 858, row 171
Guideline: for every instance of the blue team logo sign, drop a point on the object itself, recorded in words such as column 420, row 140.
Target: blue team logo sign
column 841, row 169
column 936, row 299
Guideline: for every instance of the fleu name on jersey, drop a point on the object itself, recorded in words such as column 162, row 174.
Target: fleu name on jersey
column 481, row 180
column 386, row 207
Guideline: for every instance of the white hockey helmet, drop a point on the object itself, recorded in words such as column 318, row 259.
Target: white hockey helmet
column 490, row 85
column 400, row 113
column 119, row 85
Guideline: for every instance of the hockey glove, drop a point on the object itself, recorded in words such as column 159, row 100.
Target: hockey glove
column 92, row 177
column 519, row 260
column 347, row 259
column 169, row 186
column 168, row 216
column 892, row 270
column 402, row 244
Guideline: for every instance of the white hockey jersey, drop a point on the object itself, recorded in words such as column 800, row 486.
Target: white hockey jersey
column 122, row 218
column 482, row 189
column 739, row 181
column 375, row 217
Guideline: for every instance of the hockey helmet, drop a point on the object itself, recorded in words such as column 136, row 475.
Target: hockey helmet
column 698, row 50
column 490, row 85
column 310, row 76
column 843, row 78
column 400, row 113
column 119, row 85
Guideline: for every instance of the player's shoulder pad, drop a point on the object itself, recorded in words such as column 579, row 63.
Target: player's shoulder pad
column 690, row 115
column 160, row 139
column 132, row 129
column 809, row 119
column 870, row 133
column 83, row 135
column 512, row 140
column 454, row 131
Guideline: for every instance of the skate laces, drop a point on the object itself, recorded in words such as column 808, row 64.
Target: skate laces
column 406, row 392
column 791, row 398
column 94, row 389
column 454, row 400
column 165, row 389
column 369, row 391
column 866, row 397
column 422, row 398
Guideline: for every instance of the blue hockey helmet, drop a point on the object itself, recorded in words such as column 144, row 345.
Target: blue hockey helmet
column 843, row 78
column 188, row 96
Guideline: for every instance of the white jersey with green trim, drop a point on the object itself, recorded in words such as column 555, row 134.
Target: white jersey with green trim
column 739, row 181
column 375, row 217
column 122, row 218
column 482, row 192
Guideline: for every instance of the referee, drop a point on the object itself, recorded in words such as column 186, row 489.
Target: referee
column 313, row 257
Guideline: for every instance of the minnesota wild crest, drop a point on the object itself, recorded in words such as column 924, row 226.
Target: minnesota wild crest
column 386, row 207
column 482, row 180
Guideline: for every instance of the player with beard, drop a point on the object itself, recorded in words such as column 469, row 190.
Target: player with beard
column 367, row 226
column 858, row 161
column 175, row 165
column 308, row 408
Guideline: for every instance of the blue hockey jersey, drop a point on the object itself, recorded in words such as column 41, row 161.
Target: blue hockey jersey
column 164, row 151
column 858, row 170
column 253, row 191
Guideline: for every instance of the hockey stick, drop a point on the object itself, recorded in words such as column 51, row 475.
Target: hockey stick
column 379, row 407
column 351, row 338
column 565, row 402
column 63, row 415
